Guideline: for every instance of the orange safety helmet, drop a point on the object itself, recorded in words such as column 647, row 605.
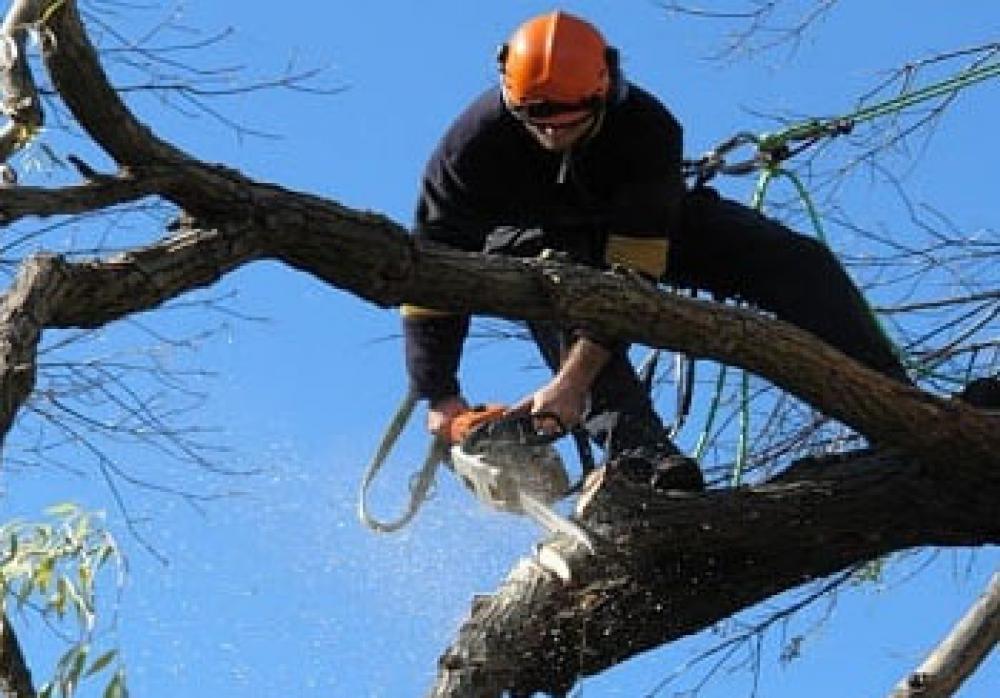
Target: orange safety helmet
column 556, row 59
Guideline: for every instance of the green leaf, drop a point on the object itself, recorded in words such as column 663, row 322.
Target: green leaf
column 116, row 687
column 63, row 594
column 67, row 659
column 107, row 551
column 43, row 573
column 86, row 578
column 57, row 602
column 81, row 529
column 43, row 534
column 101, row 662
column 57, row 566
column 80, row 605
column 63, row 510
column 76, row 669
column 24, row 593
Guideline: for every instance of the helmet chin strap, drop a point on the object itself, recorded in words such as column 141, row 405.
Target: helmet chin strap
column 596, row 126
column 506, row 99
column 593, row 130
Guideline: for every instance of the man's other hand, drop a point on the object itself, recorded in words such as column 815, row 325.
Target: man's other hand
column 563, row 399
column 442, row 411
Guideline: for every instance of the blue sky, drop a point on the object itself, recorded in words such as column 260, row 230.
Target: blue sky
column 280, row 589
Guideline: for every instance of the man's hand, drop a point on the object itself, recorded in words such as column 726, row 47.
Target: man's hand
column 442, row 411
column 558, row 405
column 565, row 396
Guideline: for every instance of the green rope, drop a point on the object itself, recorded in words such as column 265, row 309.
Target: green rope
column 923, row 370
column 713, row 409
column 817, row 128
column 774, row 147
column 743, row 442
column 952, row 84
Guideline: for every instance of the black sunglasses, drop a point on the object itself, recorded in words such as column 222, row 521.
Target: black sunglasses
column 540, row 111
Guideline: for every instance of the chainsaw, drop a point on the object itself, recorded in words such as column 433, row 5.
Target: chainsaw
column 501, row 458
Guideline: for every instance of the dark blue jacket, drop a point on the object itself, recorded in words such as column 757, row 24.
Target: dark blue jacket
column 489, row 186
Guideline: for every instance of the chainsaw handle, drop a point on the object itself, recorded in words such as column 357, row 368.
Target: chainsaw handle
column 510, row 427
column 463, row 424
column 545, row 437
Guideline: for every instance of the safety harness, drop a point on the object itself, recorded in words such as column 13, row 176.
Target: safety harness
column 769, row 152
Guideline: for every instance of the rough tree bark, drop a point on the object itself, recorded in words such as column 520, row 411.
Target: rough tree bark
column 675, row 564
column 20, row 103
column 670, row 563
column 15, row 679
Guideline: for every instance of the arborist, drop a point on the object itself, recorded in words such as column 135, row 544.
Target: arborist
column 566, row 154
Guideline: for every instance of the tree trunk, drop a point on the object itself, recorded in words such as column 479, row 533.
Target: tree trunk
column 15, row 679
column 674, row 564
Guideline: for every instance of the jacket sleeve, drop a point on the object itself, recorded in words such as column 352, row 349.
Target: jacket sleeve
column 433, row 350
column 644, row 208
column 446, row 214
column 646, row 204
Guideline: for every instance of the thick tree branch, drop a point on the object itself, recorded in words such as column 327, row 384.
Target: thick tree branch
column 673, row 564
column 19, row 202
column 374, row 259
column 21, row 103
column 827, row 518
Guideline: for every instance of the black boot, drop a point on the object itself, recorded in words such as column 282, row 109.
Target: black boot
column 678, row 473
column 662, row 473
column 983, row 393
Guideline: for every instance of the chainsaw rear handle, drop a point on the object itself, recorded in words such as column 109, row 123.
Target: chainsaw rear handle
column 494, row 420
column 516, row 428
column 466, row 422
column 545, row 437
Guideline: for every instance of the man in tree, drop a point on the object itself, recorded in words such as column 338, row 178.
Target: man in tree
column 567, row 155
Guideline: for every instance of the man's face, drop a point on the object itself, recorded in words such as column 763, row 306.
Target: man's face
column 557, row 126
column 560, row 135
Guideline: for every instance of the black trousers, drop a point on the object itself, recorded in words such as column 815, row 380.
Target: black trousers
column 735, row 252
column 731, row 251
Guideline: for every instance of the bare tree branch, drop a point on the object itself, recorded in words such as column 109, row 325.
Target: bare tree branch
column 756, row 25
column 36, row 201
column 956, row 658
